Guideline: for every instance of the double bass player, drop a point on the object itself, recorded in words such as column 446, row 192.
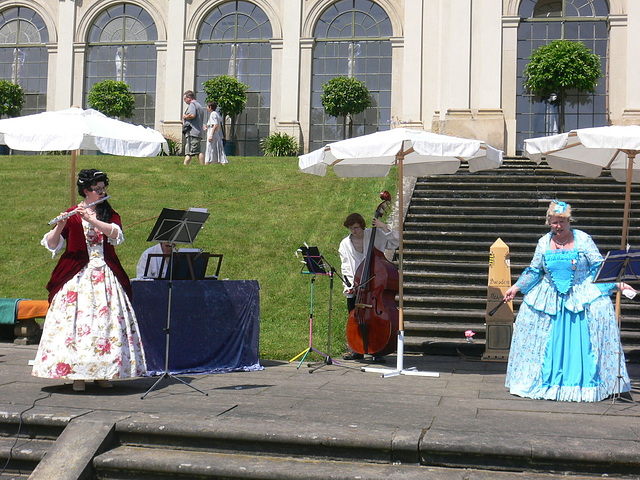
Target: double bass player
column 353, row 250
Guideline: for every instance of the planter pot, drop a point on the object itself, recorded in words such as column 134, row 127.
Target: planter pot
column 230, row 148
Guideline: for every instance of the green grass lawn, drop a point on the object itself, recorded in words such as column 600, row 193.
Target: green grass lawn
column 262, row 210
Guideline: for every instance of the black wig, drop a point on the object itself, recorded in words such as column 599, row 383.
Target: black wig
column 89, row 177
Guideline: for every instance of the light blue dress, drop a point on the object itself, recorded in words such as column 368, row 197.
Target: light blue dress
column 565, row 343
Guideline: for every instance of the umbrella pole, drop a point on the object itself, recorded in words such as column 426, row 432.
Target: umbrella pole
column 400, row 353
column 631, row 155
column 73, row 178
column 400, row 350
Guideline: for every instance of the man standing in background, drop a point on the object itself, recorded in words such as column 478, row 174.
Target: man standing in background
column 192, row 128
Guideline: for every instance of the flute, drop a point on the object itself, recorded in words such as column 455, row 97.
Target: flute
column 495, row 309
column 75, row 210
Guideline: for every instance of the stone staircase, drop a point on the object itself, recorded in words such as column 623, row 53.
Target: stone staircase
column 453, row 220
column 158, row 447
column 24, row 442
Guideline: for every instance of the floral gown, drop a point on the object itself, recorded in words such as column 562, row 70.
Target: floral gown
column 566, row 344
column 91, row 331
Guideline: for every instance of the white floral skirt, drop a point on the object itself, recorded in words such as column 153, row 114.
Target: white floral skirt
column 91, row 331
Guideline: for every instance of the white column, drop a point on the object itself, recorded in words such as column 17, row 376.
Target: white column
column 306, row 60
column 79, row 55
column 278, row 96
column 175, row 74
column 161, row 67
column 633, row 55
column 408, row 85
column 432, row 76
column 290, row 64
column 486, row 69
column 486, row 54
column 64, row 72
column 619, row 68
column 509, row 79
column 456, row 54
column 631, row 113
column 52, row 66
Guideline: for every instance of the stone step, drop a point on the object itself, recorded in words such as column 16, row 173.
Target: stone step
column 591, row 194
column 126, row 463
column 163, row 448
column 26, row 439
column 429, row 230
column 23, row 454
column 465, row 218
column 160, row 464
column 491, row 186
column 428, row 208
column 418, row 328
column 444, row 344
column 452, row 240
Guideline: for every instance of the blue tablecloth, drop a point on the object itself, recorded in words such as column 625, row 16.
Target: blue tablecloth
column 215, row 325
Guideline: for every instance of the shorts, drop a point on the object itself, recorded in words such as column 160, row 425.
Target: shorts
column 192, row 145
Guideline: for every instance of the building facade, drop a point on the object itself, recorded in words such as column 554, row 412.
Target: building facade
column 448, row 66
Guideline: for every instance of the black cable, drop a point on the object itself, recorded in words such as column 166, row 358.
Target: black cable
column 19, row 429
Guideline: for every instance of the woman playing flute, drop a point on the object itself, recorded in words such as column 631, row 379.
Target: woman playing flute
column 91, row 331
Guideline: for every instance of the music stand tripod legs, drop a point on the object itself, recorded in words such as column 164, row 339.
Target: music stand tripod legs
column 310, row 348
column 327, row 358
column 167, row 331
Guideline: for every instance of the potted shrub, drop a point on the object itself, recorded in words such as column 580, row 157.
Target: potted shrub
column 113, row 98
column 345, row 97
column 231, row 97
column 280, row 144
column 560, row 66
column 11, row 101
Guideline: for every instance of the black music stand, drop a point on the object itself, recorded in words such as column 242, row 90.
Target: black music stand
column 327, row 358
column 316, row 264
column 164, row 264
column 187, row 265
column 175, row 226
column 617, row 266
column 312, row 265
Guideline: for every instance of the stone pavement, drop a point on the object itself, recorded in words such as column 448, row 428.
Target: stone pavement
column 463, row 419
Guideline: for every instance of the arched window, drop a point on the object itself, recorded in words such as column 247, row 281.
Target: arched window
column 23, row 55
column 121, row 46
column 353, row 39
column 234, row 40
column 542, row 22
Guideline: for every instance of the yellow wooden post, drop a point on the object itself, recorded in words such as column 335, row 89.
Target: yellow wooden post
column 499, row 326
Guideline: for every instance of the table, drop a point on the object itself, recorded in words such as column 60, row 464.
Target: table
column 215, row 325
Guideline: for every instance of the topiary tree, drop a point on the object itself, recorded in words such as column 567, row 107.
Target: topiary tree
column 231, row 96
column 560, row 66
column 345, row 97
column 11, row 99
column 113, row 98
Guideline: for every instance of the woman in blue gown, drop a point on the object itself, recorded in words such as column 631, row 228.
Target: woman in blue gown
column 566, row 344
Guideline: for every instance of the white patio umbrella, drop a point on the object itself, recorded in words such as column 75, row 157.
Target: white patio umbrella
column 74, row 129
column 416, row 153
column 587, row 151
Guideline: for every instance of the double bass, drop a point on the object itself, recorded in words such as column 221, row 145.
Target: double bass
column 372, row 327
